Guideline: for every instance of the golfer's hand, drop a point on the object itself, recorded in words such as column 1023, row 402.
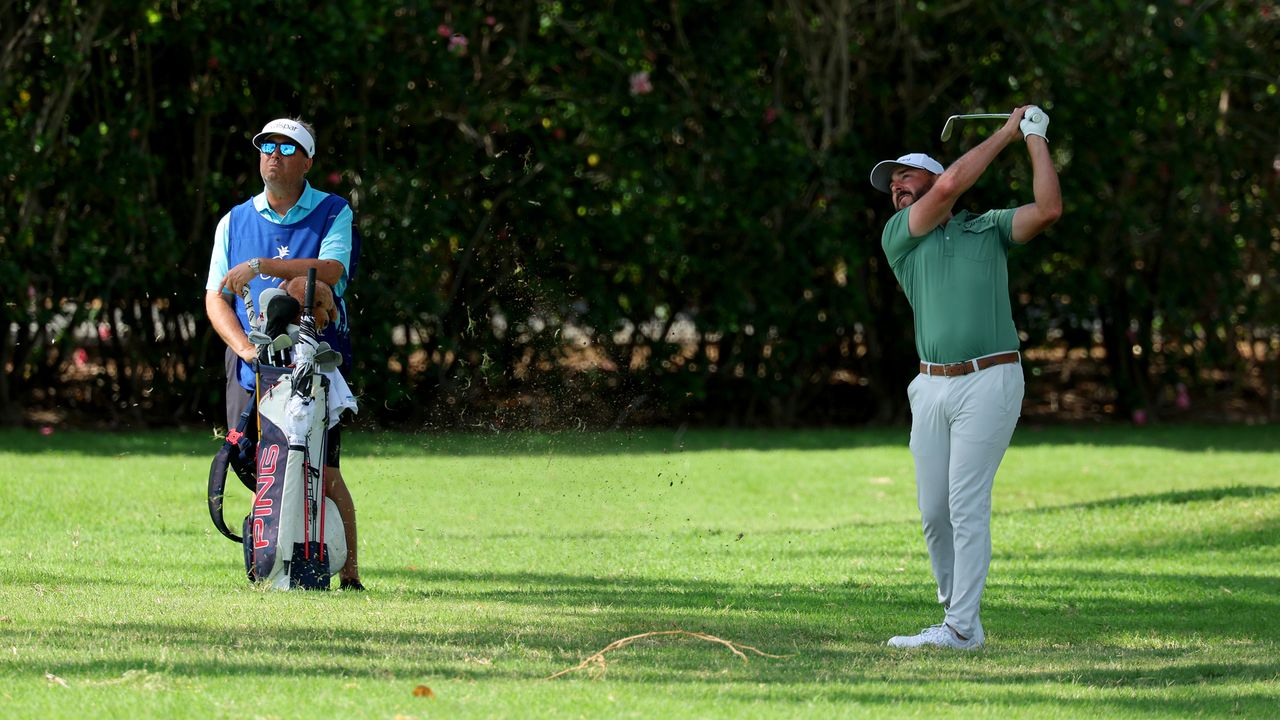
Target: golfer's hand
column 237, row 278
column 1011, row 125
column 324, row 308
column 1034, row 122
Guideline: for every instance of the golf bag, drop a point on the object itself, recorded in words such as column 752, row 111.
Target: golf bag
column 293, row 535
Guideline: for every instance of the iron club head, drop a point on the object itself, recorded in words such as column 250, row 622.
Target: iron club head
column 946, row 129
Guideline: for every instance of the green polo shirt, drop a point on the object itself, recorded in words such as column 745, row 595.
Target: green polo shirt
column 957, row 281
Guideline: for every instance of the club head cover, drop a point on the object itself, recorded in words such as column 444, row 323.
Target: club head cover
column 281, row 311
column 263, row 300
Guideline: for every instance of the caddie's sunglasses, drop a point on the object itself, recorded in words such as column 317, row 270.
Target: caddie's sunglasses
column 286, row 149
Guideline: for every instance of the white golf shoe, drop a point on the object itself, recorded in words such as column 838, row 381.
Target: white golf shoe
column 938, row 636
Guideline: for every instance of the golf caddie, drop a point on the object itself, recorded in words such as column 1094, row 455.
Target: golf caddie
column 967, row 397
column 277, row 236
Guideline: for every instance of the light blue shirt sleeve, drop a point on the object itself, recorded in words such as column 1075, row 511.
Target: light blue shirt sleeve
column 337, row 246
column 219, row 263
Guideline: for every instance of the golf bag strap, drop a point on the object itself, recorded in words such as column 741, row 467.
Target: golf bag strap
column 217, row 484
column 244, row 452
column 238, row 453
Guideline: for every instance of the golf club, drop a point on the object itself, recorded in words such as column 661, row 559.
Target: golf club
column 1033, row 114
column 278, row 348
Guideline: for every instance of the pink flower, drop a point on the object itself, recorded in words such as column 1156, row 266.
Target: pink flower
column 104, row 332
column 444, row 30
column 81, row 356
column 490, row 20
column 640, row 84
column 458, row 44
column 1139, row 417
column 334, row 178
column 46, row 430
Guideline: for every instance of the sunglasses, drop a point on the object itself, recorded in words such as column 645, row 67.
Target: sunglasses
column 286, row 149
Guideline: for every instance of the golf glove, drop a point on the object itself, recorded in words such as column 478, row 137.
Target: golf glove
column 1034, row 122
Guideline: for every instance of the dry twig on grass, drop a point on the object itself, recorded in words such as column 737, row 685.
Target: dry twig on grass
column 599, row 661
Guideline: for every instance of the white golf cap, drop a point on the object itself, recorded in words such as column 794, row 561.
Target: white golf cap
column 291, row 129
column 882, row 173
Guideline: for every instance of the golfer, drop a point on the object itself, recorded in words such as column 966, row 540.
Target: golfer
column 278, row 235
column 967, row 398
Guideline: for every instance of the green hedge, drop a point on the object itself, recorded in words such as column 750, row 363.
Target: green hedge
column 631, row 212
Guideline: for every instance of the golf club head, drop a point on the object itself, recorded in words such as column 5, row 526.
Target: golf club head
column 327, row 358
column 278, row 352
column 946, row 129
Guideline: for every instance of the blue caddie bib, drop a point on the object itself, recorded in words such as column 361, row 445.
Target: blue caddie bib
column 249, row 235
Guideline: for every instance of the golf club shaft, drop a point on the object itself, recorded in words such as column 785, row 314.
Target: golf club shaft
column 1033, row 114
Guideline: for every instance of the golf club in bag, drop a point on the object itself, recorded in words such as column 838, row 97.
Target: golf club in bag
column 293, row 536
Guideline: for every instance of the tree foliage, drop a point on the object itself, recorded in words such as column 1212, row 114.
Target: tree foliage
column 604, row 213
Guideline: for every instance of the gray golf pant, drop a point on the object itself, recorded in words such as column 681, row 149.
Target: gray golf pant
column 960, row 428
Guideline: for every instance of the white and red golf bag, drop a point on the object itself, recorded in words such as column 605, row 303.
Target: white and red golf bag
column 293, row 536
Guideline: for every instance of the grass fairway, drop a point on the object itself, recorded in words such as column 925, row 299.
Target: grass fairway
column 1136, row 574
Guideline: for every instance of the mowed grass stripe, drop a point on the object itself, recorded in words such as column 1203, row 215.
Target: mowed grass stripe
column 1134, row 575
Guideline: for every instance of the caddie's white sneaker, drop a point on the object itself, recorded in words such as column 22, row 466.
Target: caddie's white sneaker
column 937, row 636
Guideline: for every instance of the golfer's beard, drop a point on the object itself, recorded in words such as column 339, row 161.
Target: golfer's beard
column 897, row 199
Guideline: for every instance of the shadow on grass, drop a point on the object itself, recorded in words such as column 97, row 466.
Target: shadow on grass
column 655, row 441
column 1177, row 497
column 1187, row 438
column 1098, row 631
